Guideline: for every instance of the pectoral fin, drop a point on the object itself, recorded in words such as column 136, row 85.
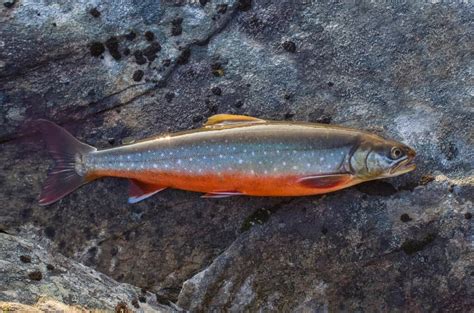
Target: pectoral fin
column 229, row 119
column 325, row 181
column 221, row 194
column 138, row 191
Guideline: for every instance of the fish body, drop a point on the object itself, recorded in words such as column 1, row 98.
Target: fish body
column 239, row 155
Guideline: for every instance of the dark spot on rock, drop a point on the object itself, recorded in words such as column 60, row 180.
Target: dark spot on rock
column 149, row 36
column 92, row 251
column 289, row 46
column 258, row 217
column 289, row 115
column 203, row 2
column 166, row 62
column 330, row 84
column 197, row 118
column 217, row 69
column 139, row 58
column 50, row 267
column 287, row 96
column 126, row 51
column 221, row 8
column 97, row 48
column 405, row 218
column 412, row 246
column 112, row 45
column 142, row 299
column 176, row 30
column 8, row 4
column 122, row 307
column 54, row 24
column 216, row 90
column 377, row 188
column 169, row 96
column 135, row 303
column 151, row 51
column 36, row 275
column 324, row 230
column 468, row 215
column 25, row 258
column 177, row 21
column 50, row 232
column 94, row 12
column 131, row 36
column 245, row 5
column 238, row 104
column 138, row 75
column 176, row 27
column 183, row 58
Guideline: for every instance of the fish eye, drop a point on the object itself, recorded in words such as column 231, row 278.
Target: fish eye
column 396, row 153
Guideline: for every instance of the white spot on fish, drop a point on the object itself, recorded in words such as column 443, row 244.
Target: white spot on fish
column 284, row 163
column 321, row 159
column 155, row 165
column 179, row 161
column 241, row 161
column 190, row 159
column 295, row 167
column 221, row 156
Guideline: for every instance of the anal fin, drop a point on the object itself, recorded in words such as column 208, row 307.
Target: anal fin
column 138, row 191
column 221, row 194
column 325, row 181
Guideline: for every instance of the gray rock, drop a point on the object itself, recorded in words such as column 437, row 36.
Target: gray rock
column 401, row 70
column 30, row 271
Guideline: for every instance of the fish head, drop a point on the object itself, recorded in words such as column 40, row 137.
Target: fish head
column 375, row 157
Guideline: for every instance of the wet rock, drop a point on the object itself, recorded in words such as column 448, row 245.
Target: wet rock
column 94, row 12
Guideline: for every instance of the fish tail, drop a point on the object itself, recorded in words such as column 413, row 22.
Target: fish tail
column 69, row 172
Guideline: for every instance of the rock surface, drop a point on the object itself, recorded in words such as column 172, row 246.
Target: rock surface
column 32, row 275
column 124, row 70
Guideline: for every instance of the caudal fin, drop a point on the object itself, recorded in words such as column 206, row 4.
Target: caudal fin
column 67, row 153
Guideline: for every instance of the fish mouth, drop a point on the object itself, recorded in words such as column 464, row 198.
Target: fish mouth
column 403, row 167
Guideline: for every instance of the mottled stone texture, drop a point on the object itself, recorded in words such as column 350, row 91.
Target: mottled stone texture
column 115, row 71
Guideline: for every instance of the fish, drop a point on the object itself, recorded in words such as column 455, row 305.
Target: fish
column 229, row 155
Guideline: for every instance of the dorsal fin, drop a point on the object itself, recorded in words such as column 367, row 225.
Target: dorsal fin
column 229, row 119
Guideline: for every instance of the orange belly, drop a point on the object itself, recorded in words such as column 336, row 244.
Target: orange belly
column 252, row 185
